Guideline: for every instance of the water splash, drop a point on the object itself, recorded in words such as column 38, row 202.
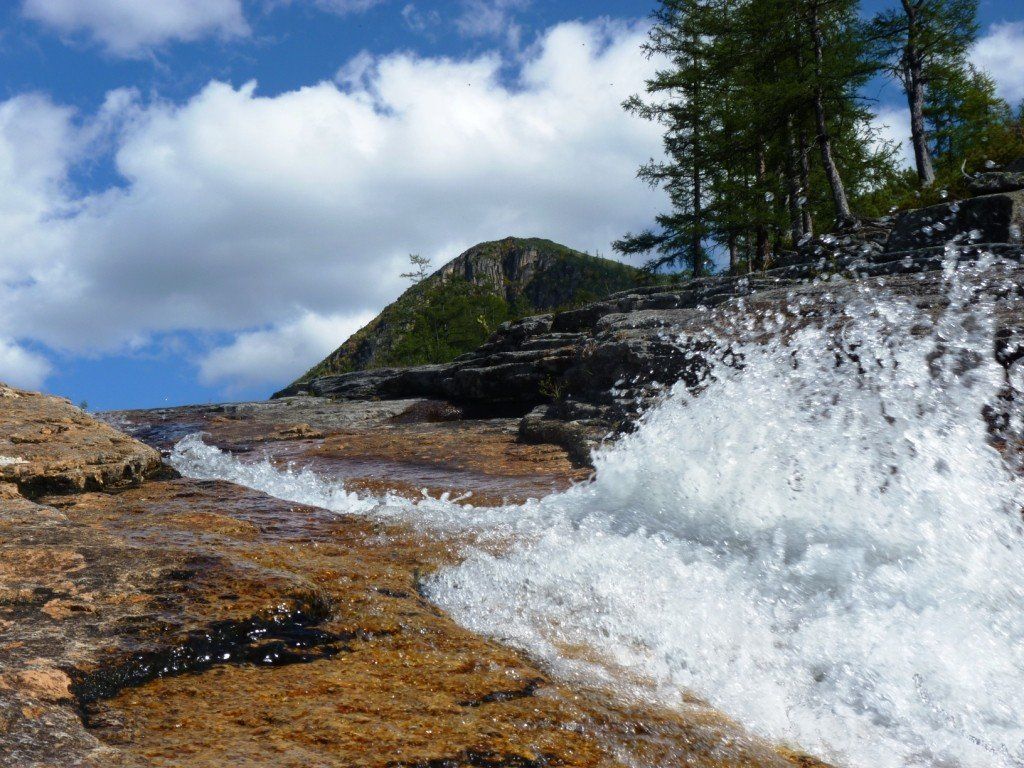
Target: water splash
column 824, row 543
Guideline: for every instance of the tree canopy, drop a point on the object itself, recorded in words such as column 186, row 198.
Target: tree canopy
column 768, row 133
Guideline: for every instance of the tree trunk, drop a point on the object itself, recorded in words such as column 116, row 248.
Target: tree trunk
column 796, row 228
column 734, row 254
column 844, row 215
column 697, row 244
column 805, row 182
column 913, row 84
column 761, row 233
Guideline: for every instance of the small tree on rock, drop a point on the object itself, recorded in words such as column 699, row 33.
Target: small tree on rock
column 420, row 268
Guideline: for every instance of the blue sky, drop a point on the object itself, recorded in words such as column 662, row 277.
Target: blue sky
column 199, row 198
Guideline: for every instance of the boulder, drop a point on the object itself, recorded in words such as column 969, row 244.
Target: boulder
column 49, row 446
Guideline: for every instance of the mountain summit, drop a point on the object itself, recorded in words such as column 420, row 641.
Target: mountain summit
column 459, row 306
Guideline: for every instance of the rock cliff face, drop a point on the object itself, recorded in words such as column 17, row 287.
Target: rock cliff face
column 586, row 373
column 506, row 279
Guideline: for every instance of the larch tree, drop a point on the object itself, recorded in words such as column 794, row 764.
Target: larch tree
column 763, row 133
column 925, row 42
column 680, row 96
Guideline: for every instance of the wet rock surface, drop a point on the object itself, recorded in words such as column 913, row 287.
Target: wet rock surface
column 405, row 446
column 175, row 622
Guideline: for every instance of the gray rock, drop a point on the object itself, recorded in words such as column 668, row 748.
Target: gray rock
column 358, row 385
column 583, row 375
column 993, row 182
column 988, row 219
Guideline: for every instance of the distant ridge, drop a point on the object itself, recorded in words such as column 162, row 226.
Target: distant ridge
column 460, row 305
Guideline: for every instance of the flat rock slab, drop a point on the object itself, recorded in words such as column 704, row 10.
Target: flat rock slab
column 199, row 624
column 49, row 446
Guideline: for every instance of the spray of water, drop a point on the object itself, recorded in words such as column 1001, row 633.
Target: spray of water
column 823, row 543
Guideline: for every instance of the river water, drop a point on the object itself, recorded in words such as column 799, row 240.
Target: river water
column 824, row 543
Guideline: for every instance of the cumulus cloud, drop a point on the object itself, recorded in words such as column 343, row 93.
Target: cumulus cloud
column 1000, row 51
column 20, row 367
column 132, row 27
column 271, row 356
column 240, row 211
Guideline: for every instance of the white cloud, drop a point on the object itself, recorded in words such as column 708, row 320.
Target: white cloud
column 241, row 211
column 270, row 357
column 419, row 21
column 339, row 7
column 892, row 126
column 491, row 18
column 1001, row 53
column 343, row 7
column 20, row 367
column 131, row 27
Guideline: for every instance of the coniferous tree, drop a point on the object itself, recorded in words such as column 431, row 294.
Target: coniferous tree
column 681, row 96
column 964, row 116
column 763, row 133
column 926, row 43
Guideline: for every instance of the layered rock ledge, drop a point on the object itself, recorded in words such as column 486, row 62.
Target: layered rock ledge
column 581, row 376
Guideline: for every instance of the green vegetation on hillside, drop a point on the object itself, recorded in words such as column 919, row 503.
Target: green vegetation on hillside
column 456, row 309
column 447, row 319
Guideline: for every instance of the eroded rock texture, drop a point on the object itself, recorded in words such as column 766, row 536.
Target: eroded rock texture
column 48, row 445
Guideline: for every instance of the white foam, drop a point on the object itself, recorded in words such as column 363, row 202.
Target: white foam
column 833, row 557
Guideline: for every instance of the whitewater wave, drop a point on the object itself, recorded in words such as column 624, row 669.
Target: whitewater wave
column 823, row 543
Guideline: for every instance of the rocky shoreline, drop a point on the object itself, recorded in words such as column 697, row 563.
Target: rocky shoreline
column 153, row 620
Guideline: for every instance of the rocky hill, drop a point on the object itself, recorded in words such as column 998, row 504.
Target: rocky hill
column 455, row 309
column 588, row 372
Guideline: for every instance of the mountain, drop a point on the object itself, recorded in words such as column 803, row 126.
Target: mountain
column 459, row 306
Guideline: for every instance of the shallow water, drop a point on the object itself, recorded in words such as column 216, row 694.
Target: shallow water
column 824, row 544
